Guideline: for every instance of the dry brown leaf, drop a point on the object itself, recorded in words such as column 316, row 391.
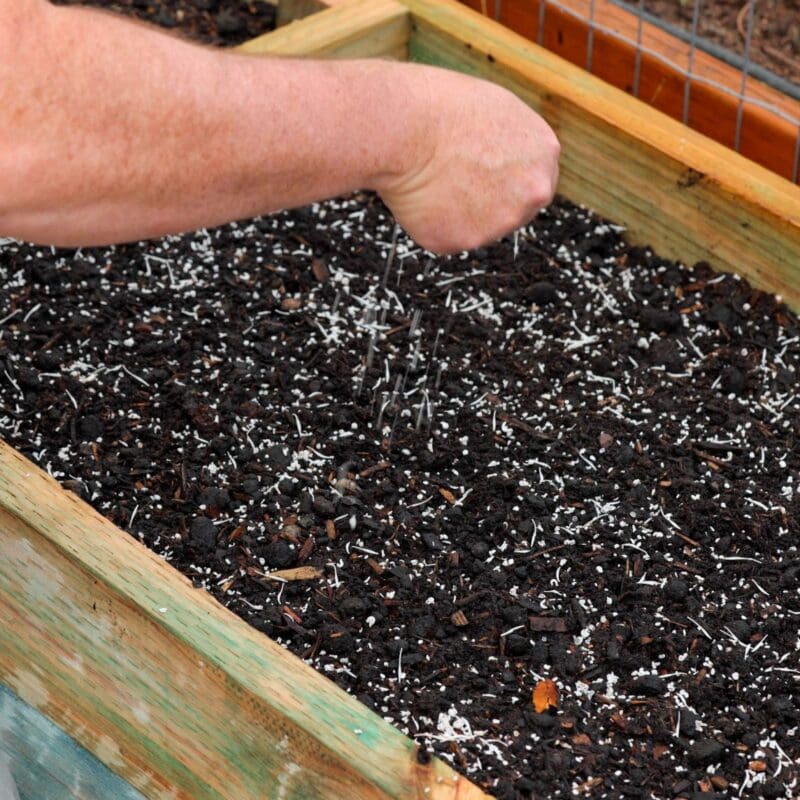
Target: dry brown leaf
column 545, row 696
column 295, row 574
column 447, row 494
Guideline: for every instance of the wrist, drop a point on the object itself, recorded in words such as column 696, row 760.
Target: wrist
column 407, row 123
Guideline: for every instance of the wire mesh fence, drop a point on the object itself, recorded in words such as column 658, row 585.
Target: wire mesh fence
column 712, row 88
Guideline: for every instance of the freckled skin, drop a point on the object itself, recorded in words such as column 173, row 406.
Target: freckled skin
column 112, row 131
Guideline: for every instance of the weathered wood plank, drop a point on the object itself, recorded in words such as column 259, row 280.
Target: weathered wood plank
column 169, row 689
column 687, row 196
column 46, row 764
column 357, row 28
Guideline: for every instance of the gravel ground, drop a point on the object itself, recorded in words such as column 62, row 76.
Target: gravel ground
column 560, row 458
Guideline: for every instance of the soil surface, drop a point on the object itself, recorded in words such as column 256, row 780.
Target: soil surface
column 559, row 457
column 776, row 28
column 218, row 22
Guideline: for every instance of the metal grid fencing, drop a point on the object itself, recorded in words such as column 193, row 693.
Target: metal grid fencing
column 592, row 13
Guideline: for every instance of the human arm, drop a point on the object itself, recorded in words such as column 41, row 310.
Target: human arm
column 111, row 131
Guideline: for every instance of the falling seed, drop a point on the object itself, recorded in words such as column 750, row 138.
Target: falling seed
column 439, row 332
column 415, row 320
column 384, row 405
column 415, row 355
column 419, row 414
column 390, row 258
column 439, row 371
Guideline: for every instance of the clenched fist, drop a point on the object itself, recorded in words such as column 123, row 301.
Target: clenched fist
column 487, row 165
column 137, row 134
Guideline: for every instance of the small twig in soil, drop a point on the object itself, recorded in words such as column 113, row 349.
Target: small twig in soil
column 544, row 552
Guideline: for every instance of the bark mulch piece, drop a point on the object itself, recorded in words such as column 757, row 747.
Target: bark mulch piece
column 560, row 457
column 218, row 22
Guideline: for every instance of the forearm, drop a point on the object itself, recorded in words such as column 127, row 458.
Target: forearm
column 111, row 131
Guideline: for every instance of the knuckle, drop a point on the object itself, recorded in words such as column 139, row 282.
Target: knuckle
column 542, row 192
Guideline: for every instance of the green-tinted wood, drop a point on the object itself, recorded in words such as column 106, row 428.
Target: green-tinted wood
column 351, row 29
column 170, row 690
column 46, row 764
column 290, row 10
column 687, row 196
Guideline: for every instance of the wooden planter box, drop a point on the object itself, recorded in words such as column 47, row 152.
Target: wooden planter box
column 172, row 691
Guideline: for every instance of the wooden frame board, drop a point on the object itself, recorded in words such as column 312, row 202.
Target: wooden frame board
column 46, row 764
column 177, row 695
column 170, row 690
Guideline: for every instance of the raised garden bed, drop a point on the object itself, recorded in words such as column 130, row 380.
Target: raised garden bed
column 185, row 700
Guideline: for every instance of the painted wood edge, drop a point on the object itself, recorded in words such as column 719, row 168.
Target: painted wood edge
column 355, row 28
column 674, row 189
column 46, row 763
column 172, row 691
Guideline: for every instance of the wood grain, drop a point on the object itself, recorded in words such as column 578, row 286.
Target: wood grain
column 687, row 196
column 356, row 28
column 290, row 10
column 46, row 764
column 166, row 687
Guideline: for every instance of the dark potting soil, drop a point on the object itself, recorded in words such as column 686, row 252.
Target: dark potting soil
column 586, row 472
column 557, row 457
column 218, row 22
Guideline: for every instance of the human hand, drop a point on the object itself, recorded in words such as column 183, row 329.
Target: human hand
column 485, row 165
